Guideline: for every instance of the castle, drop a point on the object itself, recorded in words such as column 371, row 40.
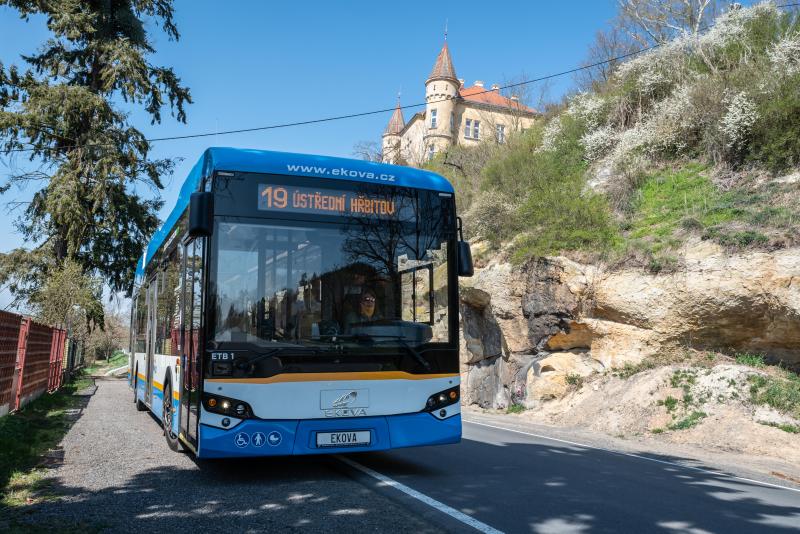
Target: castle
column 453, row 114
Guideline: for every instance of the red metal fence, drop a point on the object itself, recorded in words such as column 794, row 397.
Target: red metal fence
column 31, row 360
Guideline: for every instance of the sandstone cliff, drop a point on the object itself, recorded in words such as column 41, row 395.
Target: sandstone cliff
column 529, row 330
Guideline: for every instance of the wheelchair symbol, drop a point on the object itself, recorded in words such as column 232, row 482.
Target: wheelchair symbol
column 241, row 440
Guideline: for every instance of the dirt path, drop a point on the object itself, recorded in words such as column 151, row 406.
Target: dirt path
column 119, row 475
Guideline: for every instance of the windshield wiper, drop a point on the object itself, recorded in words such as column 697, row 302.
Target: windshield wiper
column 248, row 365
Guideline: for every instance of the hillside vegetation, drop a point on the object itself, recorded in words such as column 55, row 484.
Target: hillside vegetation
column 696, row 138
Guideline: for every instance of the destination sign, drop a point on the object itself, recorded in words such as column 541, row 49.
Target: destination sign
column 292, row 199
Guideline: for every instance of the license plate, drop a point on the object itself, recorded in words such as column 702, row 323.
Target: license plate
column 343, row 439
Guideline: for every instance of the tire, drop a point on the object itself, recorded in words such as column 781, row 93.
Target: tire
column 140, row 406
column 167, row 416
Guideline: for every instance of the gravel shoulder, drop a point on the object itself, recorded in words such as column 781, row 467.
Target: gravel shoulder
column 119, row 475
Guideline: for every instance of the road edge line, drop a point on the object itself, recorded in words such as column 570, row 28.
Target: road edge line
column 445, row 509
column 633, row 455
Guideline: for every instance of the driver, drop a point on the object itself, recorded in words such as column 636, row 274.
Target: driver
column 367, row 304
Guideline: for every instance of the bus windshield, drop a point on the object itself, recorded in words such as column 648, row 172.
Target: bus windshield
column 375, row 277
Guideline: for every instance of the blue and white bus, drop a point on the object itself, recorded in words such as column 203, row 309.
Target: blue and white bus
column 296, row 304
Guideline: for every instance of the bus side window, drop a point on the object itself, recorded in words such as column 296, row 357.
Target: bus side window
column 168, row 338
column 140, row 342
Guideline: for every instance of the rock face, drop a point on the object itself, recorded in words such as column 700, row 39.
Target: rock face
column 481, row 334
column 525, row 329
column 749, row 302
column 549, row 377
column 494, row 358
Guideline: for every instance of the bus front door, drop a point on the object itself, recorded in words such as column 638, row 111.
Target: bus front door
column 192, row 334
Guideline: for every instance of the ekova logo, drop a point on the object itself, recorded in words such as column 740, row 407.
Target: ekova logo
column 345, row 399
column 340, row 406
column 345, row 412
column 350, row 403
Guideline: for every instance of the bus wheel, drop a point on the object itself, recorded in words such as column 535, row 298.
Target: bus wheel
column 167, row 416
column 139, row 404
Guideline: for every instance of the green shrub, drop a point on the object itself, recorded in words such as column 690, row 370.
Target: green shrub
column 516, row 408
column 737, row 239
column 630, row 369
column 792, row 429
column 775, row 140
column 688, row 422
column 662, row 263
column 556, row 213
column 781, row 393
column 492, row 217
column 683, row 379
column 670, row 403
column 753, row 360
column 574, row 380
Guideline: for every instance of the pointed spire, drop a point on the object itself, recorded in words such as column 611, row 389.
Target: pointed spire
column 443, row 68
column 397, row 122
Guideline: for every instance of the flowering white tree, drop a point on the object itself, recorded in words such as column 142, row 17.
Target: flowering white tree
column 658, row 21
column 739, row 120
column 785, row 56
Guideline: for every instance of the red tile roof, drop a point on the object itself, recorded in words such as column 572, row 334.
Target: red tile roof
column 491, row 97
column 443, row 68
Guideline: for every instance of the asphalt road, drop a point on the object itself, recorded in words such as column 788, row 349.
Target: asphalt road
column 119, row 475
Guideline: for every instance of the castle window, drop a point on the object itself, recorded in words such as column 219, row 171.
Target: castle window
column 452, row 121
column 501, row 133
column 433, row 118
column 431, row 151
column 475, row 129
column 468, row 128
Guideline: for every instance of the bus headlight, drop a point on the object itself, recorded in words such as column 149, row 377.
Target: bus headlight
column 442, row 399
column 227, row 406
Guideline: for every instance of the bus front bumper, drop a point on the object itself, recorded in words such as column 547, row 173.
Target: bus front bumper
column 258, row 437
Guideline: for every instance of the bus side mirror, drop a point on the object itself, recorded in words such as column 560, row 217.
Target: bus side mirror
column 201, row 214
column 465, row 267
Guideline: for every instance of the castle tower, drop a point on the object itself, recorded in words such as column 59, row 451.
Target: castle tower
column 441, row 91
column 391, row 137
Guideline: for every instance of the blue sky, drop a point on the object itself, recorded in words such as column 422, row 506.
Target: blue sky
column 254, row 63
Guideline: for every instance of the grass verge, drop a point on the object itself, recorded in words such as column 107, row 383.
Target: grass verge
column 118, row 359
column 25, row 437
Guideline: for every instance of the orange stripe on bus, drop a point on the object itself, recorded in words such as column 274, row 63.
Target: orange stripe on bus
column 321, row 377
column 160, row 387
